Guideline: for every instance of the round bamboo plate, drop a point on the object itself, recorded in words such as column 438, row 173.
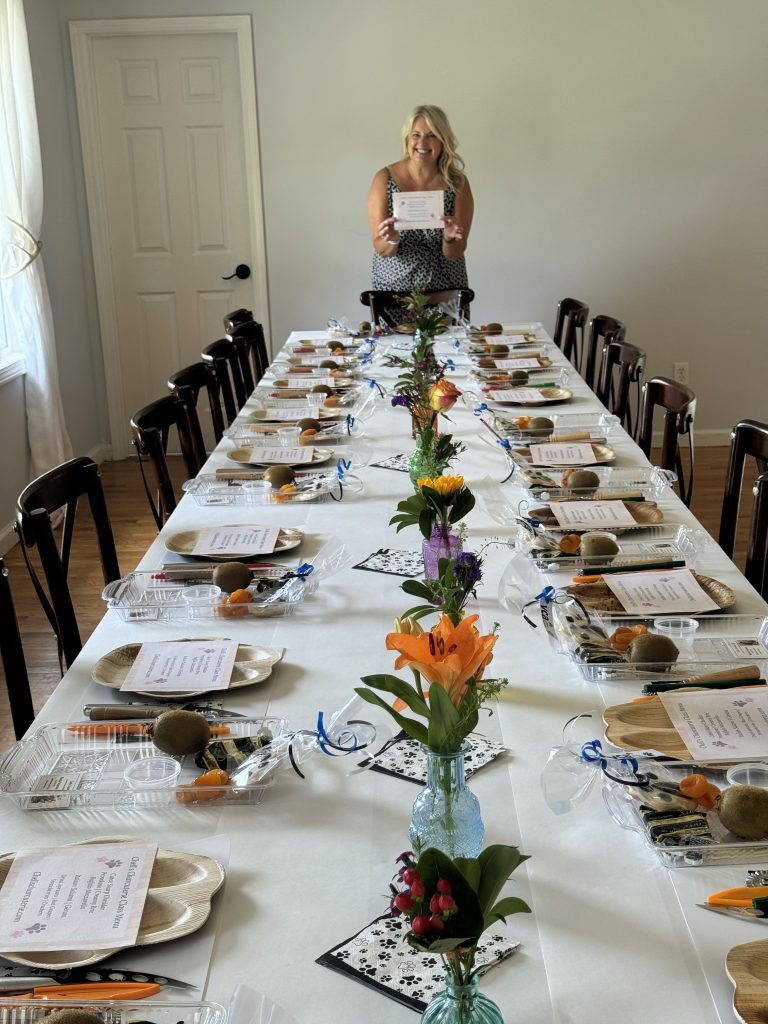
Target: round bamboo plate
column 544, row 396
column 178, row 902
column 598, row 596
column 747, row 967
column 183, row 543
column 603, row 454
column 245, row 457
column 644, row 726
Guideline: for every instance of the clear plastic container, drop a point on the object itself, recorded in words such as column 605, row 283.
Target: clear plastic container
column 753, row 774
column 30, row 1011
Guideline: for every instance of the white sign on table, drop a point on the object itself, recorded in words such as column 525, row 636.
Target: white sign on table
column 522, row 363
column 75, row 897
column 415, row 210
column 721, row 724
column 517, row 396
column 592, row 515
column 181, row 665
column 282, row 456
column 234, row 540
column 562, row 454
column 660, row 593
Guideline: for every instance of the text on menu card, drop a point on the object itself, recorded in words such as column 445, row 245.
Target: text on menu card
column 285, row 456
column 414, row 210
column 721, row 725
column 236, row 540
column 75, row 897
column 181, row 665
column 592, row 515
column 658, row 593
column 562, row 454
column 521, row 363
column 516, row 396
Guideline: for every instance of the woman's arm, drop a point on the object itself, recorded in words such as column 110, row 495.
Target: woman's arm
column 385, row 239
column 456, row 231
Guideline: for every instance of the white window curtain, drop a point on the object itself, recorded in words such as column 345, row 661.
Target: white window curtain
column 28, row 318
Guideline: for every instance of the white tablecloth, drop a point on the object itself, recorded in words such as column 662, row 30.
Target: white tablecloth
column 311, row 865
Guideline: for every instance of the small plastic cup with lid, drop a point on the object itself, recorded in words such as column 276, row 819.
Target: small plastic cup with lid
column 153, row 778
column 200, row 599
column 315, row 401
column 679, row 629
column 754, row 774
column 288, row 436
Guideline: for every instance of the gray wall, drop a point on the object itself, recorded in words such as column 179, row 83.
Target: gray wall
column 617, row 152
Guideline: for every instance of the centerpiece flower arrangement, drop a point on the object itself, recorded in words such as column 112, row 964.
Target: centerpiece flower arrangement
column 448, row 904
column 438, row 504
column 456, row 581
column 450, row 660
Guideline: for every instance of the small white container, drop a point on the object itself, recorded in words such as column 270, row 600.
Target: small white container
column 288, row 436
column 754, row 774
column 153, row 778
column 200, row 599
column 681, row 630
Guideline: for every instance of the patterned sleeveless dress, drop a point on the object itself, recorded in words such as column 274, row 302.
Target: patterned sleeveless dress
column 419, row 261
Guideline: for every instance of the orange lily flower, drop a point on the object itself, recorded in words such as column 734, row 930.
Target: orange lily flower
column 449, row 655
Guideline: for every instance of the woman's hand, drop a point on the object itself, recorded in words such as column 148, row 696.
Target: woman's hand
column 387, row 232
column 452, row 231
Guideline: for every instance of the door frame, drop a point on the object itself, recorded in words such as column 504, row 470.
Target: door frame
column 82, row 36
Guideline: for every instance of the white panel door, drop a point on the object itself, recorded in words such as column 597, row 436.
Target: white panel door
column 172, row 193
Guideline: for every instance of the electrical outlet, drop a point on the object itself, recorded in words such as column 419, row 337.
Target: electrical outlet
column 680, row 372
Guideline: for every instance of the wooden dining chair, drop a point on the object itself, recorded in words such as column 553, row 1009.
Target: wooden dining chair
column 58, row 492
column 224, row 358
column 679, row 405
column 570, row 324
column 235, row 318
column 187, row 384
column 600, row 330
column 749, row 440
column 621, row 365
column 756, row 565
column 252, row 350
column 151, row 427
column 387, row 306
column 14, row 664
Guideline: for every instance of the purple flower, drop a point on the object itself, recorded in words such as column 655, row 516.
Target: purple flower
column 467, row 568
column 400, row 400
column 405, row 858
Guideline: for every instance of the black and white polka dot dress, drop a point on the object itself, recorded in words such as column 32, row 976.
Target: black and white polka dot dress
column 419, row 261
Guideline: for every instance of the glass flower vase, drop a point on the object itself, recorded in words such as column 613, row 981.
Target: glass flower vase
column 446, row 813
column 461, row 1004
column 442, row 544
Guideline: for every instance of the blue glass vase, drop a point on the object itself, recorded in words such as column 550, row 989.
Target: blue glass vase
column 461, row 1004
column 446, row 814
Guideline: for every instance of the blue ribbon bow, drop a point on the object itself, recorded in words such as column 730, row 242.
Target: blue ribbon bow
column 343, row 466
column 480, row 409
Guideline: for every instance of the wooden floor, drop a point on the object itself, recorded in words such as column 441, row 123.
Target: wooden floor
column 134, row 530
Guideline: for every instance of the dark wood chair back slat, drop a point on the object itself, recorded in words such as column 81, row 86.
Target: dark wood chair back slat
column 236, row 317
column 14, row 664
column 679, row 405
column 570, row 324
column 749, row 439
column 756, row 566
column 252, row 350
column 56, row 491
column 226, row 361
column 600, row 330
column 621, row 365
column 187, row 385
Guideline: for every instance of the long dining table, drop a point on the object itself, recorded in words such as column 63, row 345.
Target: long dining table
column 613, row 934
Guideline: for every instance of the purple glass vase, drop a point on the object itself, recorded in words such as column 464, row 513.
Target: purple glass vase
column 439, row 545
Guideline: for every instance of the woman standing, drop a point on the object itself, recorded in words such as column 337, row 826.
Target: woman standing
column 430, row 259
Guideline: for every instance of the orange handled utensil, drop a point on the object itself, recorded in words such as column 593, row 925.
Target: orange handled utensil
column 92, row 990
column 739, row 897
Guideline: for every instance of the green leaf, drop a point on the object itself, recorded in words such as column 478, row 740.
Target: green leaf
column 417, row 589
column 467, row 922
column 419, row 611
column 401, row 689
column 470, row 868
column 497, row 863
column 427, row 522
column 414, row 729
column 443, row 720
column 505, row 907
column 463, row 504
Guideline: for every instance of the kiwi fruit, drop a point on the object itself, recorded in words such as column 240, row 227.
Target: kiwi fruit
column 651, row 648
column 335, row 346
column 582, row 480
column 519, row 377
column 308, row 423
column 500, row 350
column 329, row 364
column 323, row 388
column 744, row 811
column 364, row 327
column 492, row 328
column 279, row 476
column 604, row 547
column 179, row 732
column 541, row 425
column 72, row 1017
column 231, row 576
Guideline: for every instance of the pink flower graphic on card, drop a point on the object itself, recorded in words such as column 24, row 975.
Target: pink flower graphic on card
column 110, row 862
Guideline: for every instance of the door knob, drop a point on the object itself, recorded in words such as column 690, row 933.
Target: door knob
column 242, row 271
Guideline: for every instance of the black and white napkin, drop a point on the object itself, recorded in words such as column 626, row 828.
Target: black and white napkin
column 400, row 463
column 380, row 957
column 394, row 561
column 405, row 758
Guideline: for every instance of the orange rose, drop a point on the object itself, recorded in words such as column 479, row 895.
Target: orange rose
column 443, row 395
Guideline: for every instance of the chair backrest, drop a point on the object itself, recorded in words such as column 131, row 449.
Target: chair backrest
column 187, row 385
column 235, row 318
column 385, row 306
column 252, row 348
column 756, row 567
column 600, row 331
column 570, row 323
column 14, row 665
column 621, row 365
column 151, row 427
column 749, row 439
column 679, row 405
column 224, row 357
column 59, row 490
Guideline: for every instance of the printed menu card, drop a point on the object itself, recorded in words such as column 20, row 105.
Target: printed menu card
column 516, row 396
column 521, row 363
column 235, row 540
column 592, row 515
column 75, row 897
column 563, row 454
column 180, row 665
column 721, row 725
column 414, row 210
column 283, row 456
column 657, row 593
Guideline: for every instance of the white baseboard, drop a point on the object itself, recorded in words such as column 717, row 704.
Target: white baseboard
column 8, row 539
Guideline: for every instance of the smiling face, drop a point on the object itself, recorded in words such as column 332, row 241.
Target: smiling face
column 423, row 145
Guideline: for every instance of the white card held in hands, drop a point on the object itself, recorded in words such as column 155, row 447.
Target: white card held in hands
column 415, row 210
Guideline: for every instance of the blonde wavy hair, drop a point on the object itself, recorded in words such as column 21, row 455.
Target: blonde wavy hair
column 450, row 164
